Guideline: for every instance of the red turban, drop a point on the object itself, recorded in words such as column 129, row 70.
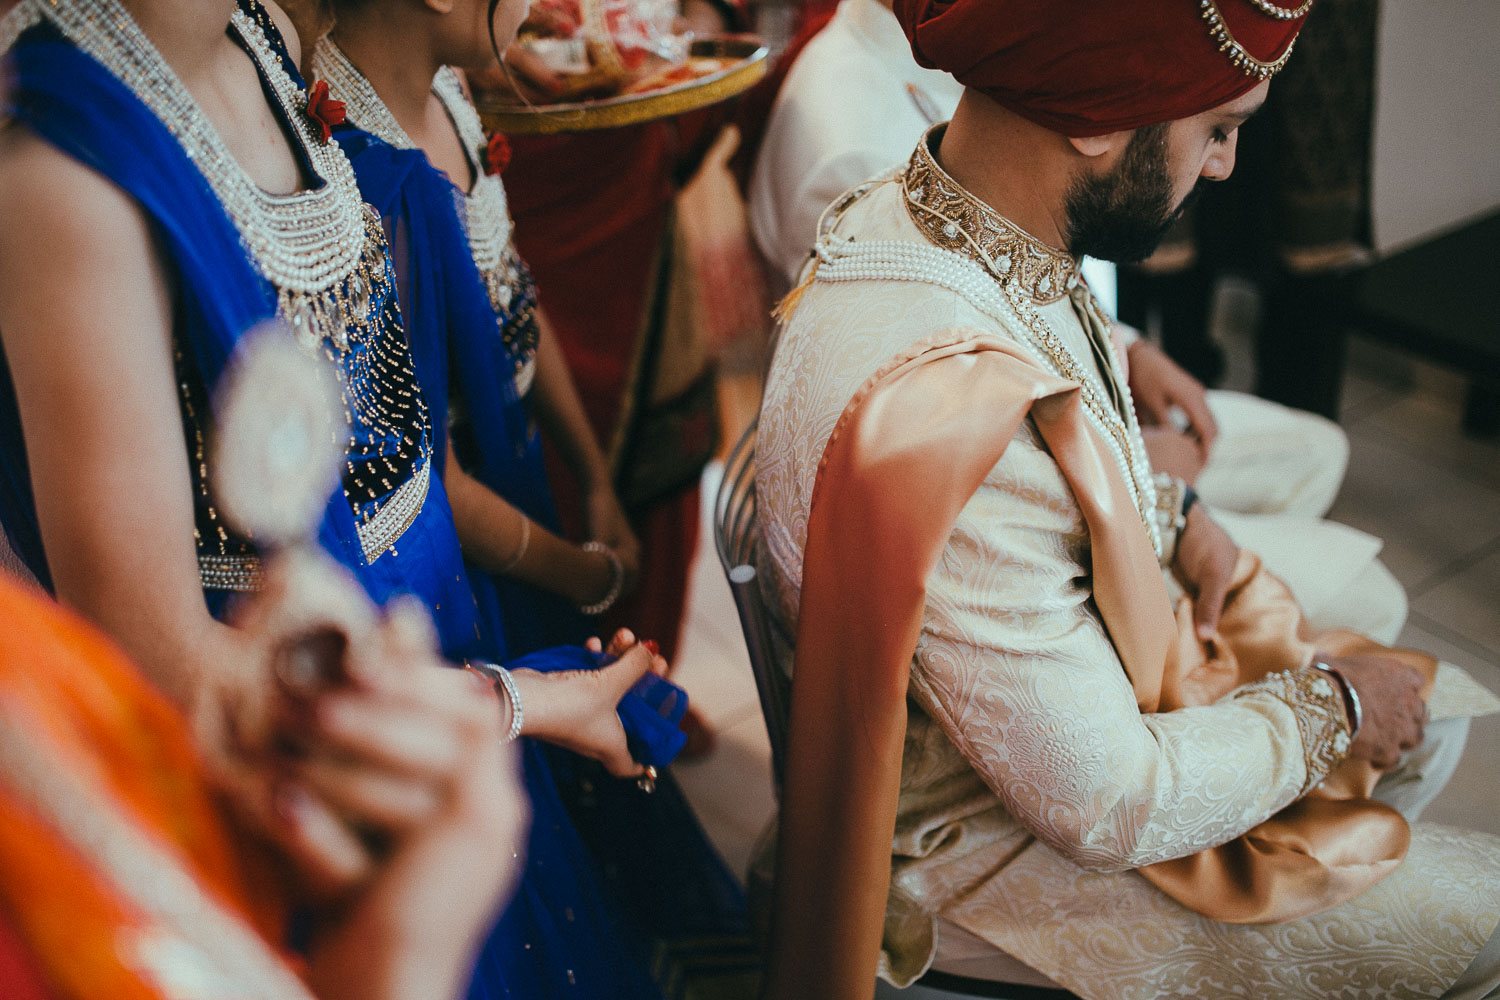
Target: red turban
column 1090, row 67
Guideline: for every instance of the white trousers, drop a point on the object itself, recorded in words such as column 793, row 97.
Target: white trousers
column 1273, row 474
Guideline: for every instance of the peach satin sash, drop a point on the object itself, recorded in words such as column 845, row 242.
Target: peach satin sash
column 1331, row 844
column 906, row 455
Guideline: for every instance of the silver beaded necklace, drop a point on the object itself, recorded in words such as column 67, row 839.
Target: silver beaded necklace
column 307, row 244
column 486, row 213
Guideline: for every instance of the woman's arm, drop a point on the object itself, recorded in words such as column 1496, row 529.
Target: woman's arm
column 560, row 413
column 496, row 536
column 85, row 316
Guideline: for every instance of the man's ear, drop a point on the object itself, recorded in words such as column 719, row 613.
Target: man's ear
column 1100, row 145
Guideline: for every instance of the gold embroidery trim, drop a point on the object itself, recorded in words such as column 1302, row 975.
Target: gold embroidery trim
column 1319, row 708
column 955, row 220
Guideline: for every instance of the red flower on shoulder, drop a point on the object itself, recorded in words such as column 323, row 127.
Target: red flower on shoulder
column 323, row 111
column 497, row 154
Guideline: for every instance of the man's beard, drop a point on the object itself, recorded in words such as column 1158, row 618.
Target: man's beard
column 1123, row 215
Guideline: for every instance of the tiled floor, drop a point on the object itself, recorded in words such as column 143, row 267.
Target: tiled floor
column 1414, row 480
column 1434, row 496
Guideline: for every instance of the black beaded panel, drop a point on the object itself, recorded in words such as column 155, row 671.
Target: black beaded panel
column 513, row 296
column 388, row 427
column 386, row 423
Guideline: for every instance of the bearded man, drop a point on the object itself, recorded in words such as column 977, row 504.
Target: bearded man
column 1135, row 792
column 853, row 103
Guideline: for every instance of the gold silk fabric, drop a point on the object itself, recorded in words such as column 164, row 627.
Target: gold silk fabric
column 978, row 609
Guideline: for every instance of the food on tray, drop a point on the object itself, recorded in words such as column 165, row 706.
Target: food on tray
column 599, row 48
column 695, row 68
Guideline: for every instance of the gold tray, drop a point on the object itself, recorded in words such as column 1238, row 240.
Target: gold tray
column 502, row 115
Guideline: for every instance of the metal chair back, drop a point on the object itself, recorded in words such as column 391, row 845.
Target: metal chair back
column 736, row 538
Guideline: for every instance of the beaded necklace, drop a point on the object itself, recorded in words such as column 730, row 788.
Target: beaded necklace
column 486, row 213
column 1008, row 294
column 308, row 244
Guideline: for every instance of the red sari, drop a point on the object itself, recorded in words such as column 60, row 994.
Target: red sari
column 594, row 220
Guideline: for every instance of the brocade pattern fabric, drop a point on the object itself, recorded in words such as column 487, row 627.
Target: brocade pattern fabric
column 1031, row 783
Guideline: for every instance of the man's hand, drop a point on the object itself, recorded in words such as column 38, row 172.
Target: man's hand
column 1390, row 698
column 1158, row 384
column 1173, row 452
column 1204, row 563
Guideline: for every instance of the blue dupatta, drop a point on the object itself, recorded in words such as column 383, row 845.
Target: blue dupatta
column 454, row 335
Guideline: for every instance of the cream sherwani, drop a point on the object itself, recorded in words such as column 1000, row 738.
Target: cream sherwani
column 1031, row 783
column 853, row 105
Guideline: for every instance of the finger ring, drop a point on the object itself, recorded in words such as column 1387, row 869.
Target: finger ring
column 299, row 669
column 647, row 781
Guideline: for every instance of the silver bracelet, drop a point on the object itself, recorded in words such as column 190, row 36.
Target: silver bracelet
column 617, row 579
column 1351, row 698
column 521, row 548
column 501, row 678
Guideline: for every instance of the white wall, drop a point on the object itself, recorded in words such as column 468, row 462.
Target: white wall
column 1437, row 116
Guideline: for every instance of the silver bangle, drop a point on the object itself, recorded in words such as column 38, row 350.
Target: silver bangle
column 1351, row 698
column 521, row 548
column 617, row 579
column 501, row 678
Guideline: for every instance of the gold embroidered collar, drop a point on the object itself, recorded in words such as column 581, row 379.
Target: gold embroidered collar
column 955, row 220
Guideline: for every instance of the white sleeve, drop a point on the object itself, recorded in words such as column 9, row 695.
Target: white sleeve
column 1016, row 666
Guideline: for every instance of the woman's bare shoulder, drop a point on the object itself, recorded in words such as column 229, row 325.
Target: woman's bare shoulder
column 78, row 262
column 49, row 199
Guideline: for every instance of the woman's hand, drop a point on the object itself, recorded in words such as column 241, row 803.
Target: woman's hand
column 575, row 709
column 607, row 523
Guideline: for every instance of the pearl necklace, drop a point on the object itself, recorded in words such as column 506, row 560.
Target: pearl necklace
column 486, row 213
column 307, row 244
column 1010, row 306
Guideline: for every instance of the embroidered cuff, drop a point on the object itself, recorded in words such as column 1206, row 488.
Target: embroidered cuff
column 1319, row 706
column 1170, row 513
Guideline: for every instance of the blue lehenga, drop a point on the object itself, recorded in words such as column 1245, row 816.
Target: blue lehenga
column 652, row 854
column 558, row 938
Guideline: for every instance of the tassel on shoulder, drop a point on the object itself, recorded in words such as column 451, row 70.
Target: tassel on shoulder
column 782, row 314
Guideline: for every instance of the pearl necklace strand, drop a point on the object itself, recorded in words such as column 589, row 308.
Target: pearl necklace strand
column 486, row 212
column 901, row 260
column 307, row 244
